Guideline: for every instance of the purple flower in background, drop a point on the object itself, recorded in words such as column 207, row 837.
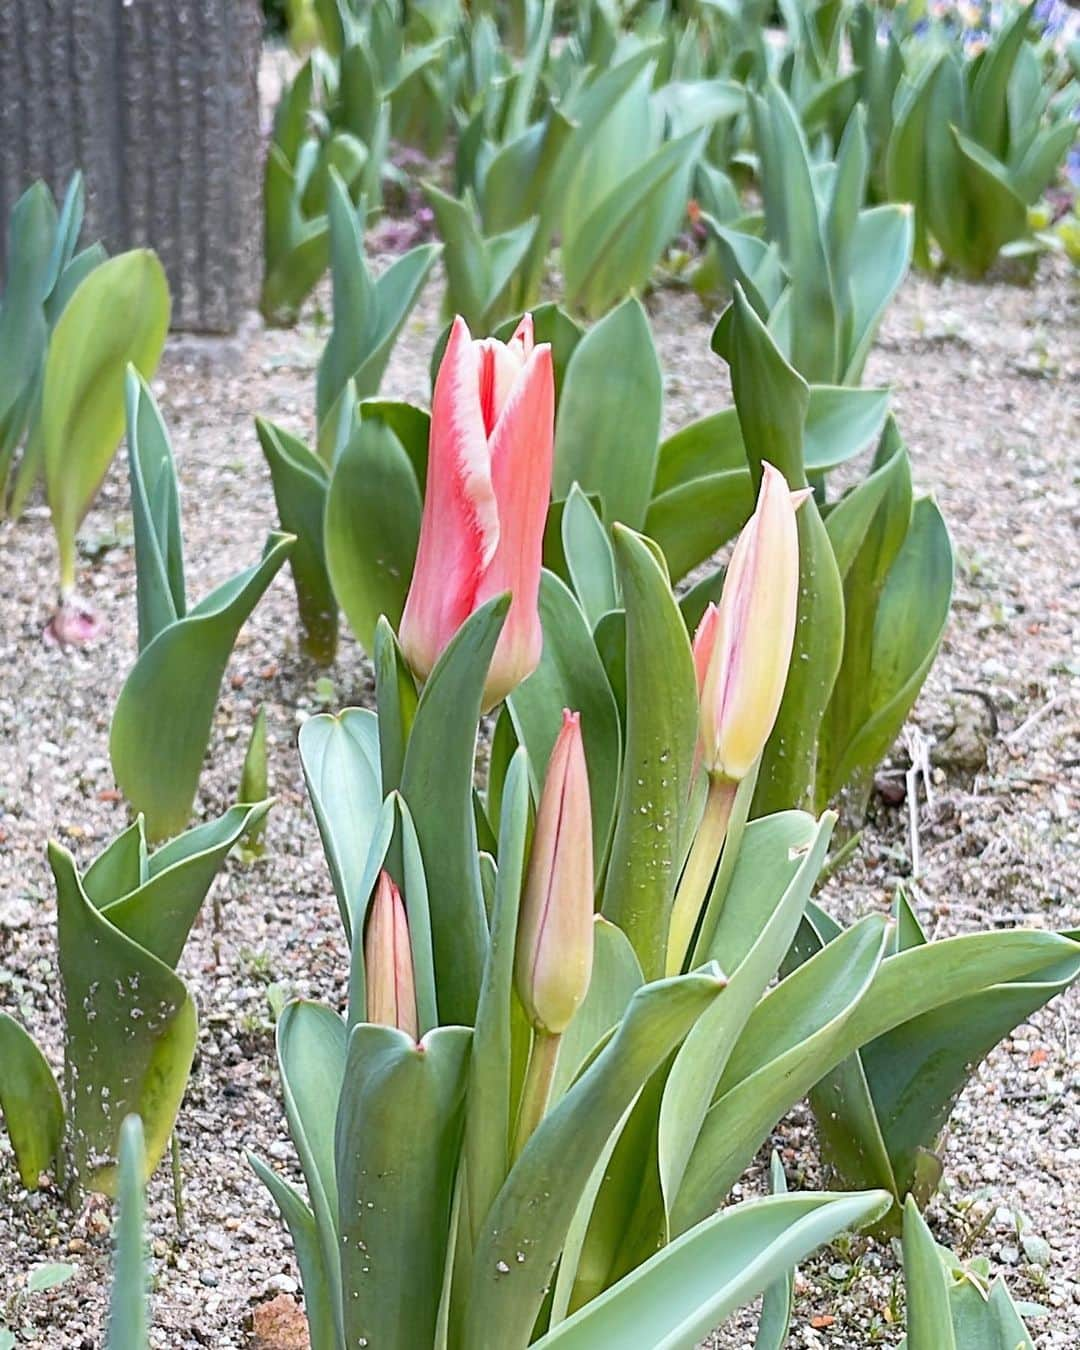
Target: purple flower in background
column 1072, row 166
column 1052, row 15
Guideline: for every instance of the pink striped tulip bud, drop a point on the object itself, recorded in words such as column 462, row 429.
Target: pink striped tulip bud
column 742, row 649
column 488, row 487
column 388, row 966
column 555, row 928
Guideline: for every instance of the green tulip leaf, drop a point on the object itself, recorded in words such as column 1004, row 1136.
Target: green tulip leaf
column 929, row 1321
column 130, row 1040
column 674, row 1300
column 436, row 782
column 127, row 1329
column 395, row 1197
column 651, row 832
column 311, row 1052
column 323, row 1313
column 536, row 1205
column 155, row 503
column 300, row 484
column 30, row 1101
column 158, row 911
column 162, row 720
column 570, row 676
column 340, row 759
column 373, row 511
column 608, row 425
column 614, row 248
column 118, row 316
column 589, row 559
column 489, row 1119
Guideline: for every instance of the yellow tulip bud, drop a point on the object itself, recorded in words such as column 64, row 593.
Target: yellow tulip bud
column 742, row 647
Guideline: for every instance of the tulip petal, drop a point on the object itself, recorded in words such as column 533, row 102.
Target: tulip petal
column 753, row 635
column 459, row 529
column 521, row 459
column 704, row 643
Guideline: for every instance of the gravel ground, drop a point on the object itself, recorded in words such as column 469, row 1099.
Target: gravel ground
column 988, row 395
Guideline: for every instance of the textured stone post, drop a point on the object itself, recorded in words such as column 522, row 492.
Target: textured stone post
column 157, row 102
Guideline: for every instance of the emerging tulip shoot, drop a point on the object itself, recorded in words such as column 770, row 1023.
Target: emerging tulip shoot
column 488, row 488
column 742, row 650
column 555, row 929
column 388, row 964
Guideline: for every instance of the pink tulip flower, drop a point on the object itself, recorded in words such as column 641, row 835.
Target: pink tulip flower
column 488, row 488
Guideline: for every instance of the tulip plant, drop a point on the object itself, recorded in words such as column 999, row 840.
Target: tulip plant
column 952, row 1305
column 975, row 144
column 44, row 269
column 882, row 1115
column 130, row 1022
column 162, row 719
column 70, row 323
column 824, row 271
column 567, row 1036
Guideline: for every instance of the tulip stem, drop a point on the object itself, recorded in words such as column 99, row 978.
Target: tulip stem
column 536, row 1090
column 698, row 873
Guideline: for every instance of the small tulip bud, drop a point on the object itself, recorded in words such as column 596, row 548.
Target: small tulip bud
column 555, row 929
column 742, row 648
column 391, row 986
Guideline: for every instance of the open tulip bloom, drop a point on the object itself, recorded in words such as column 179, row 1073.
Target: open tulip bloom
column 488, row 488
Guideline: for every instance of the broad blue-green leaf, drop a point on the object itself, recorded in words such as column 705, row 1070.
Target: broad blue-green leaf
column 118, row 316
column 608, row 426
column 675, row 1299
column 879, row 259
column 793, row 219
column 536, row 1205
column 300, row 488
column 661, row 732
column 373, row 511
column 908, row 625
column 161, row 598
column 778, row 1301
column 436, row 782
column 311, row 1051
column 489, row 1117
column 159, row 910
column 693, row 521
column 929, row 1322
column 589, row 560
column 340, row 759
column 761, row 915
column 127, row 1304
column 30, row 1101
column 570, row 675
column 772, row 400
column 162, row 720
column 396, row 699
column 613, row 249
column 319, row 1297
column 396, row 1196
column 130, row 1036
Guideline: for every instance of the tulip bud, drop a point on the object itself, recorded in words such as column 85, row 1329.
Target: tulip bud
column 388, row 967
column 555, row 929
column 485, row 506
column 742, row 648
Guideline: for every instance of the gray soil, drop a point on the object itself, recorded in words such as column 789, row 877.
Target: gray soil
column 987, row 383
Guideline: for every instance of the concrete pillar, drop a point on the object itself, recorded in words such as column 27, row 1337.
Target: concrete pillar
column 157, row 102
